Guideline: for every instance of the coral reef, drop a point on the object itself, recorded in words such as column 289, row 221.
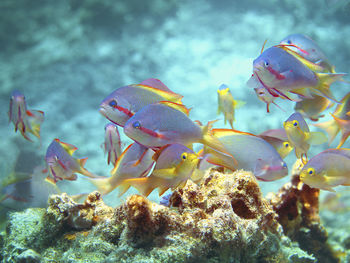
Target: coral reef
column 225, row 219
column 297, row 207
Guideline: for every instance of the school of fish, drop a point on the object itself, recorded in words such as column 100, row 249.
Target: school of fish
column 161, row 155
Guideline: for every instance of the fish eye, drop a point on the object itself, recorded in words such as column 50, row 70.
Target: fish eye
column 289, row 41
column 184, row 156
column 113, row 103
column 311, row 171
column 136, row 125
column 286, row 144
column 295, row 123
column 284, row 165
column 266, row 63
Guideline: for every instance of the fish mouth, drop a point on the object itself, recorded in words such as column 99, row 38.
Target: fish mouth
column 103, row 111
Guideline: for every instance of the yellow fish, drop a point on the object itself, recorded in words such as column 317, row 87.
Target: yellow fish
column 313, row 108
column 227, row 105
column 300, row 136
column 327, row 169
column 175, row 164
column 340, row 122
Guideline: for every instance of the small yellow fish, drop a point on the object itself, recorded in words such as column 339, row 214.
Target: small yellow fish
column 300, row 136
column 283, row 147
column 340, row 122
column 175, row 164
column 327, row 169
column 227, row 105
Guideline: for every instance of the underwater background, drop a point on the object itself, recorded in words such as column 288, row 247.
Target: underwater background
column 67, row 56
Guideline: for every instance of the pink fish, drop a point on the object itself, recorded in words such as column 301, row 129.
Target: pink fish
column 112, row 144
column 136, row 161
column 124, row 102
column 280, row 72
column 26, row 121
column 61, row 165
column 175, row 164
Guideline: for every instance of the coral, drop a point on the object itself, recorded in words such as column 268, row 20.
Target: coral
column 298, row 212
column 225, row 219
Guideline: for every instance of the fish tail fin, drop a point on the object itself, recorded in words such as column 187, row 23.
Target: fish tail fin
column 213, row 142
column 330, row 127
column 344, row 127
column 326, row 79
column 144, row 185
column 122, row 189
column 35, row 118
column 103, row 185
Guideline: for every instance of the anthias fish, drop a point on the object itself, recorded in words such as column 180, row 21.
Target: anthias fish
column 124, row 102
column 136, row 161
column 159, row 124
column 300, row 137
column 112, row 144
column 340, row 122
column 280, row 72
column 60, row 163
column 258, row 155
column 175, row 164
column 26, row 121
column 327, row 169
column 227, row 105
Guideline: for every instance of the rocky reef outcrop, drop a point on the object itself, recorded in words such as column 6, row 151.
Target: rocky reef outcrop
column 224, row 219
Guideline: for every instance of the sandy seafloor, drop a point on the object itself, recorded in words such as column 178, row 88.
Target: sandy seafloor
column 68, row 55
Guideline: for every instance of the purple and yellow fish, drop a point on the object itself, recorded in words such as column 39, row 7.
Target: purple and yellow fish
column 135, row 161
column 307, row 48
column 251, row 152
column 340, row 122
column 162, row 123
column 175, row 164
column 279, row 140
column 327, row 169
column 112, row 144
column 26, row 121
column 124, row 102
column 227, row 105
column 61, row 165
column 280, row 73
column 300, row 137
column 313, row 108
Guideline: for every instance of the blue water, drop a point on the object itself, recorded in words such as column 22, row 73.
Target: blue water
column 66, row 56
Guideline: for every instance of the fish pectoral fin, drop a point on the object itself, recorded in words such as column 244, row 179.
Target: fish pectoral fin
column 330, row 127
column 168, row 173
column 316, row 138
column 239, row 103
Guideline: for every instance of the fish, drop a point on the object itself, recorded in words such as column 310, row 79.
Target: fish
column 30, row 191
column 162, row 123
column 258, row 155
column 175, row 164
column 339, row 123
column 62, row 165
column 327, row 169
column 313, row 108
column 119, row 106
column 307, row 48
column 300, row 137
column 280, row 72
column 227, row 105
column 135, row 161
column 283, row 147
column 112, row 144
column 24, row 120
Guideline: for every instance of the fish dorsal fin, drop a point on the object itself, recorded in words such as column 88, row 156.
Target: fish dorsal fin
column 156, row 83
column 224, row 132
column 167, row 95
column 119, row 160
column 67, row 147
column 176, row 106
column 263, row 46
column 158, row 152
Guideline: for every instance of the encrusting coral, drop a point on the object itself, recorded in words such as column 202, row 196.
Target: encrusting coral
column 224, row 219
column 297, row 207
